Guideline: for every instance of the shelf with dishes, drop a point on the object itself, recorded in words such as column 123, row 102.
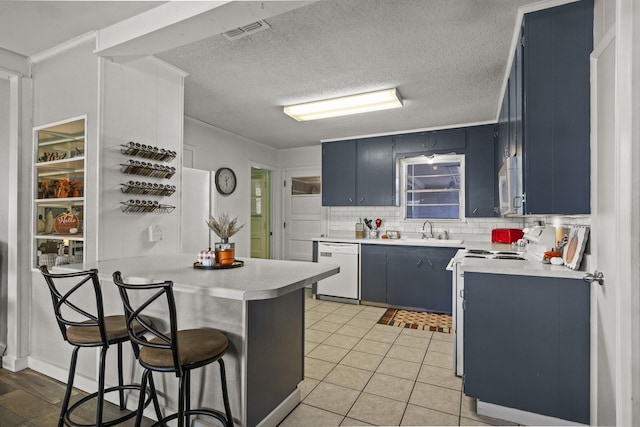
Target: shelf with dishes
column 59, row 190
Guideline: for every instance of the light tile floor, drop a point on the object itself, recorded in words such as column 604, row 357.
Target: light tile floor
column 360, row 373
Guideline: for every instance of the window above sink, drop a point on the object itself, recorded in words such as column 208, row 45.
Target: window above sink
column 432, row 187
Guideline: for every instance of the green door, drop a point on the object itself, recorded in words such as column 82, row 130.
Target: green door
column 260, row 213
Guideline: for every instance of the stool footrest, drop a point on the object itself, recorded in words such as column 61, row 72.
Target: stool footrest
column 132, row 414
column 207, row 412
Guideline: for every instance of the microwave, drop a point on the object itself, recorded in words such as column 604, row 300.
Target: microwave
column 510, row 186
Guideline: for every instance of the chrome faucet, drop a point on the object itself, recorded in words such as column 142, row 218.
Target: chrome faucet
column 424, row 234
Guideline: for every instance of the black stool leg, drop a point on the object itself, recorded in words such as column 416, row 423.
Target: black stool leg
column 141, row 400
column 120, row 377
column 154, row 396
column 67, row 394
column 181, row 401
column 100, row 402
column 225, row 394
column 187, row 396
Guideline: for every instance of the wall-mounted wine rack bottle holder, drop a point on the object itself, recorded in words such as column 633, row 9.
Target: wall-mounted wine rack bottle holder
column 135, row 167
column 145, row 206
column 148, row 152
column 147, row 188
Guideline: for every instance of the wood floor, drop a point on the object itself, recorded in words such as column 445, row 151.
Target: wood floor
column 29, row 399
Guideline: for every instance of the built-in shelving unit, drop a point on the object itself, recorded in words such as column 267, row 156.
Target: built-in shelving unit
column 59, row 202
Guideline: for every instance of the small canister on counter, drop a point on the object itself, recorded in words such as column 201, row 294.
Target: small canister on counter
column 360, row 234
column 206, row 255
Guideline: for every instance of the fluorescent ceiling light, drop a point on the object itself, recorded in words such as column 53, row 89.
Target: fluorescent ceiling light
column 343, row 106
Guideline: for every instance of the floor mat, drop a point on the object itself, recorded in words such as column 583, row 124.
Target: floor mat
column 418, row 320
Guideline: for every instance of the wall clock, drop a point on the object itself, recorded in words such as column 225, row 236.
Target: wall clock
column 225, row 181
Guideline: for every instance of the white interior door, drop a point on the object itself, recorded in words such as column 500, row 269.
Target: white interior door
column 303, row 212
column 604, row 299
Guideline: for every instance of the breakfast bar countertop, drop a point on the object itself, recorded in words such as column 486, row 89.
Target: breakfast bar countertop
column 258, row 279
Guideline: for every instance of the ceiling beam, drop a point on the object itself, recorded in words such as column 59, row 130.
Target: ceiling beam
column 176, row 24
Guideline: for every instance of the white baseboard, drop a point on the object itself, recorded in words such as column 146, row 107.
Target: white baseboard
column 282, row 410
column 14, row 364
column 520, row 417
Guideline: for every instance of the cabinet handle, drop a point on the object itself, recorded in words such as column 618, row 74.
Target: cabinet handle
column 361, row 199
column 419, row 263
column 461, row 293
column 475, row 210
column 350, row 200
column 434, row 143
column 423, row 146
column 430, row 263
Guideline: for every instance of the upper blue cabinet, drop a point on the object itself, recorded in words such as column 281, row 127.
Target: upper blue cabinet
column 358, row 173
column 554, row 53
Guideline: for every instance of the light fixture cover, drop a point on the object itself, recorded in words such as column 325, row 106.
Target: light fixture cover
column 346, row 105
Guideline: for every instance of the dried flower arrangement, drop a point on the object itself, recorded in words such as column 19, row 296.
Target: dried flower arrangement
column 223, row 226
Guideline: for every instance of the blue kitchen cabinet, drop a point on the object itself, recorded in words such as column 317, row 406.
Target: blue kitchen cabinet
column 375, row 172
column 412, row 277
column 339, row 173
column 481, row 172
column 502, row 143
column 358, row 173
column 407, row 277
column 526, row 343
column 445, row 140
column 557, row 44
column 373, row 273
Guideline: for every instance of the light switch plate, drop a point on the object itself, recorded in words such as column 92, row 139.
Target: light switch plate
column 154, row 233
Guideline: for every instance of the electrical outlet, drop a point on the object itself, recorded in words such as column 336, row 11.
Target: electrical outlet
column 154, row 233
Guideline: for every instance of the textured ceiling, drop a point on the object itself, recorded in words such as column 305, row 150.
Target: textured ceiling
column 446, row 57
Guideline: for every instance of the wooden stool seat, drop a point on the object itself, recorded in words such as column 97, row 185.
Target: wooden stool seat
column 196, row 347
column 115, row 327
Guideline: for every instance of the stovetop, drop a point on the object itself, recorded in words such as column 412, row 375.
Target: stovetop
column 493, row 255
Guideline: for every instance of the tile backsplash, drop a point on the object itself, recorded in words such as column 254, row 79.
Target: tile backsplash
column 342, row 220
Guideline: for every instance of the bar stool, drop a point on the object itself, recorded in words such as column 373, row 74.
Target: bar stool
column 178, row 351
column 81, row 328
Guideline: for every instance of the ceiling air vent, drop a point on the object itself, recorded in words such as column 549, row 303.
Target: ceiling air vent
column 246, row 30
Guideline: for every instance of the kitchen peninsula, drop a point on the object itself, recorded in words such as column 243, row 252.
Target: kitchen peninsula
column 260, row 307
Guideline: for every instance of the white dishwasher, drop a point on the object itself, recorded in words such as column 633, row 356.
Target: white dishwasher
column 345, row 283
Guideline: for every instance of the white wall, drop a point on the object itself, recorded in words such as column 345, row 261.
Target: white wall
column 215, row 148
column 4, row 211
column 300, row 157
column 64, row 86
column 142, row 102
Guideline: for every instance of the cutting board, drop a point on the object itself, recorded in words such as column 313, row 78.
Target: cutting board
column 575, row 246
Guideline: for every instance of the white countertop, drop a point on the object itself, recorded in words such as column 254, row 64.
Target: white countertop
column 520, row 268
column 466, row 243
column 494, row 266
column 257, row 279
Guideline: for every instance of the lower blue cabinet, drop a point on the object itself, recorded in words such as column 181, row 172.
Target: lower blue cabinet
column 407, row 276
column 527, row 343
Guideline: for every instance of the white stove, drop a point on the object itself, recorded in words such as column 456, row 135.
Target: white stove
column 461, row 258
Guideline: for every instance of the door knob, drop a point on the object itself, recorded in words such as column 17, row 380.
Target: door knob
column 597, row 276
